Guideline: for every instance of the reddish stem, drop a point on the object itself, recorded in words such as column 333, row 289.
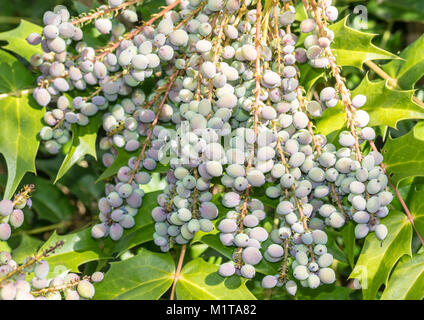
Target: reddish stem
column 178, row 272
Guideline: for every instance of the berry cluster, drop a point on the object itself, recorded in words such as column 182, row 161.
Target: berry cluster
column 30, row 281
column 11, row 214
column 227, row 110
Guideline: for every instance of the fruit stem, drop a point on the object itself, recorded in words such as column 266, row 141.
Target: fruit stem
column 191, row 15
column 59, row 225
column 155, row 121
column 178, row 272
column 103, row 12
column 33, row 260
column 336, row 70
column 71, row 284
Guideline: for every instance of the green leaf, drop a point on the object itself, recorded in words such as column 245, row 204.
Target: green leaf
column 16, row 39
column 416, row 206
column 408, row 71
column 78, row 248
column 327, row 292
column 147, row 276
column 200, row 280
column 309, row 75
column 21, row 122
column 407, row 281
column 120, row 161
column 49, row 202
column 348, row 233
column 377, row 257
column 353, row 48
column 333, row 246
column 27, row 247
column 404, row 156
column 384, row 105
column 83, row 143
column 301, row 13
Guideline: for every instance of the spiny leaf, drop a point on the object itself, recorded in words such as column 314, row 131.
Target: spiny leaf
column 377, row 257
column 21, row 122
column 404, row 156
column 147, row 276
column 16, row 39
column 353, row 48
column 83, row 143
column 200, row 281
column 407, row 281
column 408, row 71
column 384, row 105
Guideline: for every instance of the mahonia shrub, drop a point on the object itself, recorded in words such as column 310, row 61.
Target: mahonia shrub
column 222, row 127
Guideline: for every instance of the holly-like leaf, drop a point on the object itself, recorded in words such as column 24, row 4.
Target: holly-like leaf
column 404, row 156
column 200, row 280
column 385, row 106
column 407, row 281
column 409, row 70
column 353, row 48
column 16, row 39
column 78, row 248
column 21, row 120
column 147, row 276
column 83, row 143
column 377, row 257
